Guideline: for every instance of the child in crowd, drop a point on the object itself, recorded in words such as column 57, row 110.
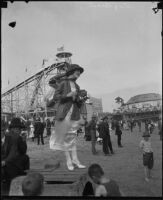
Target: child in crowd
column 106, row 187
column 145, row 145
column 33, row 184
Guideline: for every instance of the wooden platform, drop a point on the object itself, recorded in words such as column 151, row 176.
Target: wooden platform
column 60, row 175
column 73, row 183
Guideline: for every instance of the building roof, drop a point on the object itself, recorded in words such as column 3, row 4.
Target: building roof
column 144, row 98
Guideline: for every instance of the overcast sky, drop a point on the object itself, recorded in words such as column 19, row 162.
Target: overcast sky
column 118, row 44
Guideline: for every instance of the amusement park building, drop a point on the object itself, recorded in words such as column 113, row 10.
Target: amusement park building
column 143, row 106
column 144, row 102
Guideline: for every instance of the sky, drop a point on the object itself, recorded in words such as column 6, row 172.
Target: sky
column 117, row 43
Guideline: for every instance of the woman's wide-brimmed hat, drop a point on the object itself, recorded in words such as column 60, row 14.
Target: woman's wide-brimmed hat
column 73, row 68
column 16, row 123
column 146, row 134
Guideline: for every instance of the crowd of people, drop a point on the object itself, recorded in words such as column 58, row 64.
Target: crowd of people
column 35, row 128
column 16, row 162
column 98, row 130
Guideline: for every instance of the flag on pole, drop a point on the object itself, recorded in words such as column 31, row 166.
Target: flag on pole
column 60, row 48
column 44, row 60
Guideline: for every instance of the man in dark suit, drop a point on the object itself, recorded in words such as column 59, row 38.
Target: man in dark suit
column 132, row 122
column 14, row 159
column 39, row 131
column 104, row 133
column 87, row 133
column 118, row 132
column 92, row 129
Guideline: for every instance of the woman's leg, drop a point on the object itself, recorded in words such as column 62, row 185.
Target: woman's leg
column 74, row 155
column 75, row 159
column 69, row 161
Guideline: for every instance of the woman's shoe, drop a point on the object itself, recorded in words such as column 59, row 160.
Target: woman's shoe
column 70, row 167
column 78, row 164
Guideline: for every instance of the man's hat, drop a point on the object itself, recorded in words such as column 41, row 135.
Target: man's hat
column 146, row 134
column 16, row 123
column 74, row 67
column 106, row 117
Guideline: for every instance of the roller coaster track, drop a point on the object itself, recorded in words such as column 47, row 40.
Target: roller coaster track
column 32, row 78
column 38, row 77
column 36, row 90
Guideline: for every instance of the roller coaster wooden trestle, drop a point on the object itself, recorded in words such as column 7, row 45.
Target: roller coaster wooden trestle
column 28, row 96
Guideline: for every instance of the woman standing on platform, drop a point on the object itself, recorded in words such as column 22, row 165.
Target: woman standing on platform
column 68, row 117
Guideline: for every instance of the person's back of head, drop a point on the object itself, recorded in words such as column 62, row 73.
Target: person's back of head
column 95, row 172
column 33, row 184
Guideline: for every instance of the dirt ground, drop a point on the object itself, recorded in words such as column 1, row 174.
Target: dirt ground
column 125, row 166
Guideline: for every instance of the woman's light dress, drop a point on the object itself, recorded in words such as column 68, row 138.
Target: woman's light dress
column 64, row 135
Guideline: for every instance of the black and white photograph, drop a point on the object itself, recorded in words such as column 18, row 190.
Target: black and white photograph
column 81, row 99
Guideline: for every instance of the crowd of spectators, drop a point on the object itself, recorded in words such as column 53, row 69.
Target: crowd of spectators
column 15, row 161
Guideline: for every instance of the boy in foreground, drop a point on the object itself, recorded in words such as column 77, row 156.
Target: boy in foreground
column 106, row 187
column 145, row 145
column 33, row 184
